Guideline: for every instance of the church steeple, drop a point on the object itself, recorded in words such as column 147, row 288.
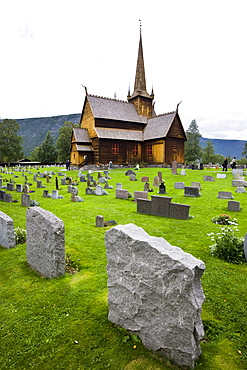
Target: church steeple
column 140, row 98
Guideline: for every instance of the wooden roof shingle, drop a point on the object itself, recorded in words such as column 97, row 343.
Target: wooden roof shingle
column 117, row 134
column 158, row 126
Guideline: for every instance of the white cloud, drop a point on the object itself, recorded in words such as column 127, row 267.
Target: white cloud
column 193, row 51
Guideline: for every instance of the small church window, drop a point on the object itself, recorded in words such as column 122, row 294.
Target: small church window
column 115, row 148
column 149, row 150
column 135, row 150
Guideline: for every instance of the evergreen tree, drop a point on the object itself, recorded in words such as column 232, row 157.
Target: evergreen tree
column 192, row 149
column 244, row 153
column 208, row 154
column 63, row 143
column 47, row 151
column 10, row 142
column 35, row 155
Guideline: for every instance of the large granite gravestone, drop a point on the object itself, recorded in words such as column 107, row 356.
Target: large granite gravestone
column 179, row 185
column 122, row 194
column 10, row 186
column 154, row 291
column 174, row 167
column 7, row 236
column 45, row 242
column 7, row 198
column 240, row 189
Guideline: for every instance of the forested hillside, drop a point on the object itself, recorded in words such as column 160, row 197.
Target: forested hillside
column 34, row 130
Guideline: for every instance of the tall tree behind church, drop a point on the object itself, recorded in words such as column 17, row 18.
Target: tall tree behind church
column 47, row 151
column 192, row 148
column 63, row 142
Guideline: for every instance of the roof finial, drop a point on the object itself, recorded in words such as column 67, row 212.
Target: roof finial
column 178, row 105
column 85, row 89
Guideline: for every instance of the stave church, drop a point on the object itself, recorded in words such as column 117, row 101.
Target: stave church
column 127, row 132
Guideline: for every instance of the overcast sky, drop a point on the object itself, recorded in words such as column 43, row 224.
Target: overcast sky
column 194, row 51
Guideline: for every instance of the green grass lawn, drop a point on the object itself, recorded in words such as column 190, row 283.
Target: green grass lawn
column 62, row 323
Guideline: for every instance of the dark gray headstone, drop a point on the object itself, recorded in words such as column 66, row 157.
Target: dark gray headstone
column 190, row 191
column 233, row 206
column 179, row 185
column 208, row 178
column 225, row 195
column 100, row 221
column 179, row 211
column 144, row 206
column 25, row 200
column 160, row 205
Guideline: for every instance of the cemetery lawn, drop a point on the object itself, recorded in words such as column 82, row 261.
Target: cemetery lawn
column 62, row 323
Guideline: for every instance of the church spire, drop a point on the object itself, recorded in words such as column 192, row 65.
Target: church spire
column 140, row 79
column 142, row 101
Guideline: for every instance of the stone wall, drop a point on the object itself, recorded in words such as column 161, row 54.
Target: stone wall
column 155, row 292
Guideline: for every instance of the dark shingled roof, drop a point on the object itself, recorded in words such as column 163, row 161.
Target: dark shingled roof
column 159, row 126
column 119, row 134
column 114, row 110
column 81, row 135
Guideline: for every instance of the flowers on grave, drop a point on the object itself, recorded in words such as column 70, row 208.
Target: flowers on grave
column 227, row 245
column 20, row 235
column 110, row 223
column 224, row 219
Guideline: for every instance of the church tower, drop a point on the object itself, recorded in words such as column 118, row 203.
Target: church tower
column 142, row 101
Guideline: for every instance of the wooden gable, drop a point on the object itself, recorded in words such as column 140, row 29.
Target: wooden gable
column 176, row 129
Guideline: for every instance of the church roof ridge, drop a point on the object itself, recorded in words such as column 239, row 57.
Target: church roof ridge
column 106, row 98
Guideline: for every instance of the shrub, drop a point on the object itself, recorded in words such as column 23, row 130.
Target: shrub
column 20, row 235
column 224, row 219
column 227, row 246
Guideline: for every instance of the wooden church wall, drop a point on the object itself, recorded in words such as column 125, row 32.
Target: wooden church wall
column 87, row 120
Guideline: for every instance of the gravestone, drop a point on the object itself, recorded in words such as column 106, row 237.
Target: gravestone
column 10, row 186
column 54, row 194
column 160, row 176
column 2, row 192
column 89, row 191
column 132, row 177
column 146, row 187
column 195, row 184
column 45, row 193
column 160, row 206
column 7, row 235
column 145, row 179
column 144, row 206
column 190, row 191
column 99, row 190
column 233, row 206
column 221, row 176
column 245, row 246
column 100, row 221
column 1, row 183
column 69, row 188
column 208, row 178
column 107, row 186
column 101, row 180
column 122, row 194
column 19, row 188
column 7, row 198
column 45, row 242
column 149, row 297
column 156, row 181
column 140, row 194
column 174, row 167
column 237, row 172
column 162, row 188
column 82, row 179
column 225, row 195
column 118, row 185
column 25, row 200
column 179, row 185
column 183, row 172
column 238, row 183
column 39, row 184
column 26, row 189
column 129, row 172
column 63, row 181
column 240, row 189
column 179, row 211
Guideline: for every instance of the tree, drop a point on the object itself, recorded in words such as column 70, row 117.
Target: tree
column 47, row 151
column 10, row 142
column 192, row 149
column 244, row 153
column 35, row 154
column 63, row 143
column 208, row 154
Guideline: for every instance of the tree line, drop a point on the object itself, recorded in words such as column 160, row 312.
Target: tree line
column 48, row 152
column 59, row 151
